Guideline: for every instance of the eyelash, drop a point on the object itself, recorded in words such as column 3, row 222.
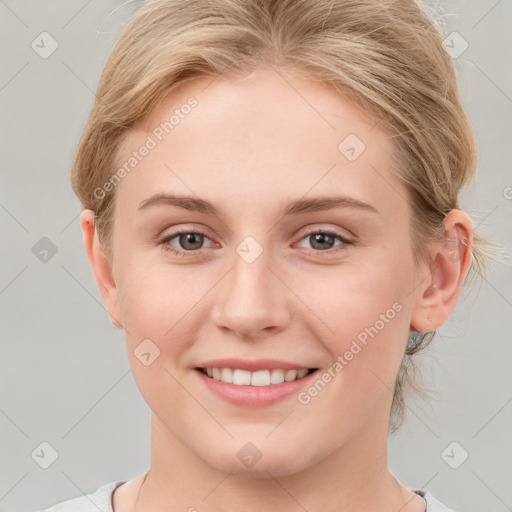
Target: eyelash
column 169, row 248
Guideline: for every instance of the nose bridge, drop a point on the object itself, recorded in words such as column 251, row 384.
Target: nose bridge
column 252, row 299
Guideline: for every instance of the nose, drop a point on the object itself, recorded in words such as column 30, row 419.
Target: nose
column 252, row 303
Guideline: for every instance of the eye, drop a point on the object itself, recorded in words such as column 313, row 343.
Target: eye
column 323, row 240
column 188, row 241
column 192, row 241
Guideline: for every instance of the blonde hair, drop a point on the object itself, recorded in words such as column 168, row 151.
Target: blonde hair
column 387, row 56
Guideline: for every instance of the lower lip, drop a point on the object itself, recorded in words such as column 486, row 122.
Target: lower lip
column 254, row 396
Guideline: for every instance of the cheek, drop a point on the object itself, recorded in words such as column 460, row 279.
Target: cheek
column 356, row 298
column 156, row 309
column 368, row 310
column 154, row 298
column 162, row 304
column 370, row 320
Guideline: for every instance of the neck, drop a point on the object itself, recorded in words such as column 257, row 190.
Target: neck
column 353, row 478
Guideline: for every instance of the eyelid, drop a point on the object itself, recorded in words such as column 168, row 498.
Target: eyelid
column 164, row 240
column 344, row 241
column 343, row 233
column 171, row 231
column 173, row 234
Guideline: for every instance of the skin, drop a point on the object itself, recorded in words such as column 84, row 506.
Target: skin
column 250, row 147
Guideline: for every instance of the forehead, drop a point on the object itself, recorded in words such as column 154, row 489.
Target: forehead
column 256, row 138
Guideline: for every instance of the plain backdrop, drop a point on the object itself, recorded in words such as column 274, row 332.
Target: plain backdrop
column 65, row 378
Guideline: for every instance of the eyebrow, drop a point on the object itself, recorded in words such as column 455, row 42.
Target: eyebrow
column 296, row 207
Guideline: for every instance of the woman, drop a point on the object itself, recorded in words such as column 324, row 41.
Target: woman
column 270, row 194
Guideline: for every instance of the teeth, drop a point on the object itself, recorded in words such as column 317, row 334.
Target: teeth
column 257, row 378
column 260, row 378
column 226, row 375
column 241, row 377
column 290, row 375
column 302, row 373
column 276, row 376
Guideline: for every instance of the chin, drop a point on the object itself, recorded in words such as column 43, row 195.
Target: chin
column 263, row 469
column 258, row 459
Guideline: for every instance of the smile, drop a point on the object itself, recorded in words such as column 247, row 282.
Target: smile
column 254, row 385
column 241, row 377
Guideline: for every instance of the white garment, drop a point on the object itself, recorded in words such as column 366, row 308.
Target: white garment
column 101, row 501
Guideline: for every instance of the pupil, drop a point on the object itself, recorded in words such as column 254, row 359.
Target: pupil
column 321, row 239
column 195, row 239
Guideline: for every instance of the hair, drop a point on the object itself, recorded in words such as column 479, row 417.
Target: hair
column 385, row 56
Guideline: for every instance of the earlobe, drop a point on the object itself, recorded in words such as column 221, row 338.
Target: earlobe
column 101, row 267
column 450, row 262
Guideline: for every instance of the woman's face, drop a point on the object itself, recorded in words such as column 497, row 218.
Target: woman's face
column 274, row 279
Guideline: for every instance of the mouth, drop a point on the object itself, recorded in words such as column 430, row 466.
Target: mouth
column 254, row 382
column 257, row 378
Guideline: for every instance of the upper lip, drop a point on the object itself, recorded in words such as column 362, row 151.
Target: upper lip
column 253, row 365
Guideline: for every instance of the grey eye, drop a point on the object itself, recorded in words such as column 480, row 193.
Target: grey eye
column 191, row 241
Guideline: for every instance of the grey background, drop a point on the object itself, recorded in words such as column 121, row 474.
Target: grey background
column 65, row 377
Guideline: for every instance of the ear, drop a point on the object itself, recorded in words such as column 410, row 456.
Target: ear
column 437, row 294
column 100, row 267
